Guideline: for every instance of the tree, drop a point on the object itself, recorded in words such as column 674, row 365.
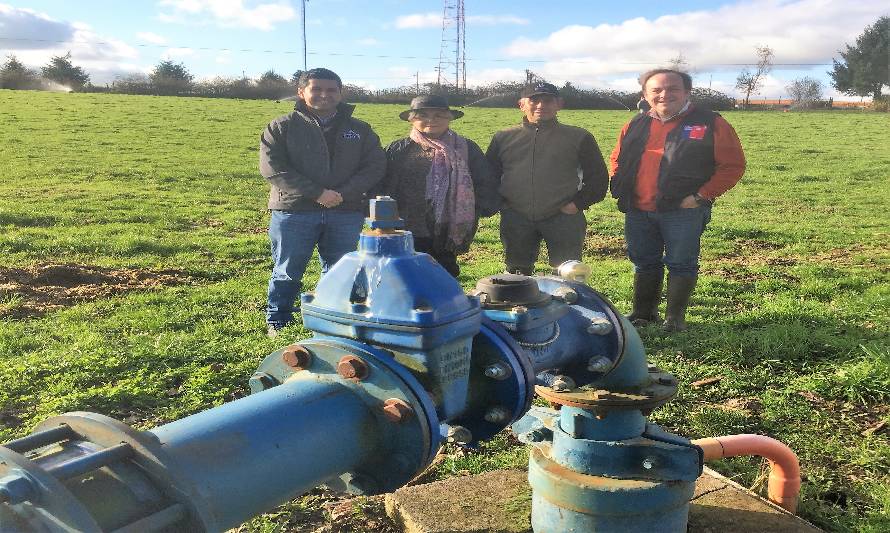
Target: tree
column 863, row 69
column 805, row 91
column 15, row 75
column 273, row 85
column 679, row 62
column 62, row 71
column 295, row 77
column 170, row 78
column 750, row 82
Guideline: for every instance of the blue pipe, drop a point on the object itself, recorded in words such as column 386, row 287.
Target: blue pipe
column 247, row 456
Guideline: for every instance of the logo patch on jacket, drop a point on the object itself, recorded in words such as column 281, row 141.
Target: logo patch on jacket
column 351, row 135
column 696, row 131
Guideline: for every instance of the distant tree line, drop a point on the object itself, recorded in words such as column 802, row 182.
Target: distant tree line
column 862, row 70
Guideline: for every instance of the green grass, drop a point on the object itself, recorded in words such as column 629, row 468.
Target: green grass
column 792, row 308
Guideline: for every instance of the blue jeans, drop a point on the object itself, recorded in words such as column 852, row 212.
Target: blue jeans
column 672, row 238
column 294, row 236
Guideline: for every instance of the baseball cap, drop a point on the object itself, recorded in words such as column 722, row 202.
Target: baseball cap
column 539, row 88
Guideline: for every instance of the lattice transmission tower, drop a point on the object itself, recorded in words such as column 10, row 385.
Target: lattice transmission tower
column 453, row 50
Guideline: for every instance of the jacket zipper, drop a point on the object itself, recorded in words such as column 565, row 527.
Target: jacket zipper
column 534, row 150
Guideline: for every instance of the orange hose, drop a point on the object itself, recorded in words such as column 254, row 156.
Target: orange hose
column 783, row 488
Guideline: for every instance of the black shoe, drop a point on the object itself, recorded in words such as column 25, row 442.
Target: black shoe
column 647, row 297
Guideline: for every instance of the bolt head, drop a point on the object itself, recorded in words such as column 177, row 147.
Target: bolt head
column 296, row 357
column 563, row 384
column 260, row 382
column 459, row 435
column 566, row 294
column 535, row 435
column 497, row 371
column 600, row 327
column 352, row 367
column 599, row 363
column 396, row 410
column 497, row 415
column 15, row 489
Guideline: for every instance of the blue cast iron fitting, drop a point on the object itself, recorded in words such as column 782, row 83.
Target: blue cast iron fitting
column 596, row 464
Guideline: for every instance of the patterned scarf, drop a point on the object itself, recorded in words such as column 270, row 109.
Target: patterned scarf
column 449, row 190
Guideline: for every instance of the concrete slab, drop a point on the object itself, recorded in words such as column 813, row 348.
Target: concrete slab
column 500, row 502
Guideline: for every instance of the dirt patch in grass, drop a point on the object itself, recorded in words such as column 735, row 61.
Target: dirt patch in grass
column 322, row 510
column 604, row 245
column 32, row 291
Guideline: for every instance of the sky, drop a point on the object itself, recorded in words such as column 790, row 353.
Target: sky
column 388, row 43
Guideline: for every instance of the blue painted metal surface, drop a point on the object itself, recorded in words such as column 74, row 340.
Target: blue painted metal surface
column 597, row 464
column 246, row 456
column 385, row 294
column 401, row 358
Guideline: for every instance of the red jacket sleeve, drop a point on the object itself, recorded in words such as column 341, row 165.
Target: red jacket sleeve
column 729, row 159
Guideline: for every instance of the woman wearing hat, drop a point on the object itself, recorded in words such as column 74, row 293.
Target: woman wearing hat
column 440, row 180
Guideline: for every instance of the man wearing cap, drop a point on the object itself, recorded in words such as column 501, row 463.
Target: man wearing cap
column 440, row 180
column 321, row 162
column 668, row 167
column 549, row 174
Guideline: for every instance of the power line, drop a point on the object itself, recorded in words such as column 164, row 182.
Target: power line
column 388, row 56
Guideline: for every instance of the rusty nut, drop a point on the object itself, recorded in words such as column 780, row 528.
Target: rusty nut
column 352, row 367
column 296, row 357
column 396, row 410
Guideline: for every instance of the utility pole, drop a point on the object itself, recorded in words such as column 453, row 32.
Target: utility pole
column 303, row 13
column 417, row 79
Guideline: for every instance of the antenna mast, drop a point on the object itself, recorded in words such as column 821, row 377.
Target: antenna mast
column 452, row 50
column 303, row 16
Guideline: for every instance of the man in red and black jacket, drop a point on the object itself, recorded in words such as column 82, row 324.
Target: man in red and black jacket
column 668, row 167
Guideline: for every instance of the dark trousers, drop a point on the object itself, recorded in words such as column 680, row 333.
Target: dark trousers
column 445, row 258
column 563, row 234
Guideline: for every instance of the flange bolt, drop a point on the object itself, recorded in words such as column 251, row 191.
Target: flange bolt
column 351, row 367
column 498, row 371
column 296, row 357
column 600, row 326
column 497, row 415
column 599, row 363
column 459, row 435
column 562, row 384
column 396, row 410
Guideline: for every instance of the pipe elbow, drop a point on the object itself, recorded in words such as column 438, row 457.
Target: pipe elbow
column 784, row 480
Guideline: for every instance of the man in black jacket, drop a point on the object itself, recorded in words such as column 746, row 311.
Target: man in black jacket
column 321, row 162
column 549, row 174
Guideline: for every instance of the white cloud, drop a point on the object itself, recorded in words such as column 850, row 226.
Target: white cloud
column 799, row 31
column 228, row 13
column 419, row 20
column 34, row 38
column 368, row 41
column 171, row 53
column 434, row 20
column 150, row 37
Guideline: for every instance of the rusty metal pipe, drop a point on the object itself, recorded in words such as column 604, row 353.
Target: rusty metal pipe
column 783, row 488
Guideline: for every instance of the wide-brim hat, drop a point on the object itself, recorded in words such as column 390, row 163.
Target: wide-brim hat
column 430, row 101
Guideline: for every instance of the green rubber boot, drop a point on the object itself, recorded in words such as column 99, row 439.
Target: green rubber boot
column 678, row 292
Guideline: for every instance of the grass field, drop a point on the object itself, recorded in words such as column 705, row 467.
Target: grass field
column 135, row 259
